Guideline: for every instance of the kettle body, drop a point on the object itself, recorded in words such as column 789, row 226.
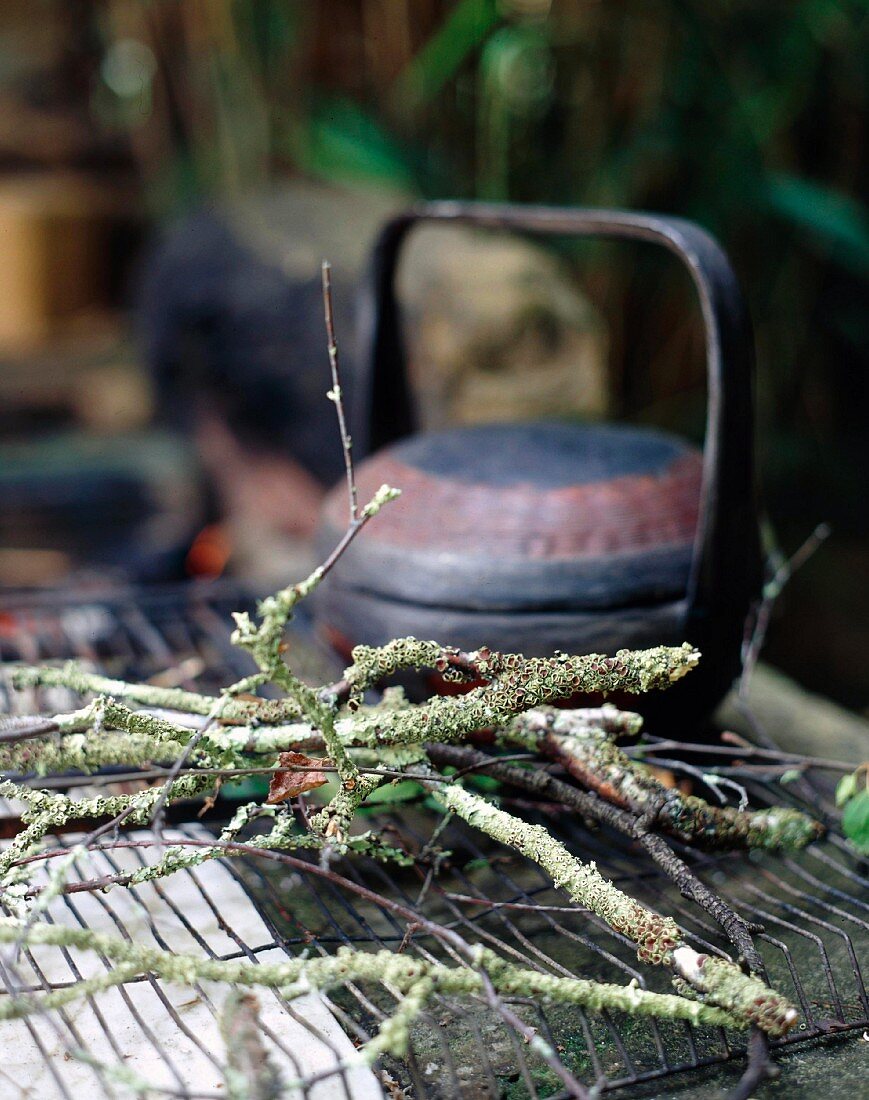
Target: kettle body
column 555, row 536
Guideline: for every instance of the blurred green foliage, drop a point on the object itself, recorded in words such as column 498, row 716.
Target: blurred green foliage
column 746, row 115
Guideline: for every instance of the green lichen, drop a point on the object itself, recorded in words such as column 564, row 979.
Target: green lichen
column 334, row 820
column 516, row 684
column 743, row 996
column 654, row 935
column 416, row 979
column 82, row 752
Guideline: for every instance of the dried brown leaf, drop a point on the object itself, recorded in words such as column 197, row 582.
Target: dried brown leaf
column 303, row 773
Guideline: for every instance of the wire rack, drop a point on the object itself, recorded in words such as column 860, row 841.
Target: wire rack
column 814, row 907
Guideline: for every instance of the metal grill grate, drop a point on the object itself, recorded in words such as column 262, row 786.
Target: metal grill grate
column 814, row 905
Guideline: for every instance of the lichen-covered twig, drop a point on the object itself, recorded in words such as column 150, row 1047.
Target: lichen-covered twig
column 334, row 820
column 658, row 939
column 145, row 742
column 51, row 811
column 515, row 683
column 512, row 678
column 46, row 811
column 83, row 752
column 507, row 696
column 591, row 756
column 296, row 977
column 263, row 640
column 71, row 675
column 541, row 783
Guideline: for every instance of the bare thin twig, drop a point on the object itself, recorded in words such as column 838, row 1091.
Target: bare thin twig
column 15, row 728
column 648, row 749
column 113, row 777
column 771, row 592
column 710, row 778
column 336, row 394
column 158, row 815
column 573, row 1087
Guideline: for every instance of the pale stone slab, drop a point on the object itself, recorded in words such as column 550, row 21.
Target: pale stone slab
column 131, row 1024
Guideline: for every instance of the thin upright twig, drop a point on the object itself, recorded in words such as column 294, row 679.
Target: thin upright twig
column 336, row 394
column 756, row 632
column 158, row 814
column 759, row 1067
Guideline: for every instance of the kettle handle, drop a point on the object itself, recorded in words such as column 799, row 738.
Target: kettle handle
column 726, row 564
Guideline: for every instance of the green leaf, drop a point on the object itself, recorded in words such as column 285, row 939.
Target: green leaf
column 855, row 821
column 341, row 140
column 253, row 787
column 462, row 31
column 846, row 788
column 484, row 783
column 790, row 776
column 476, row 864
column 403, row 791
column 837, row 221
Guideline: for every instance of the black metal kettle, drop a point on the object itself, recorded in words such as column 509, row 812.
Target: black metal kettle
column 537, row 537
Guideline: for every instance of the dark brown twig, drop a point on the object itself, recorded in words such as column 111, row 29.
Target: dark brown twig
column 481, row 766
column 760, row 1066
column 64, row 781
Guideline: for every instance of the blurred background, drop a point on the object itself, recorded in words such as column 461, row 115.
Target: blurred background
column 172, row 173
